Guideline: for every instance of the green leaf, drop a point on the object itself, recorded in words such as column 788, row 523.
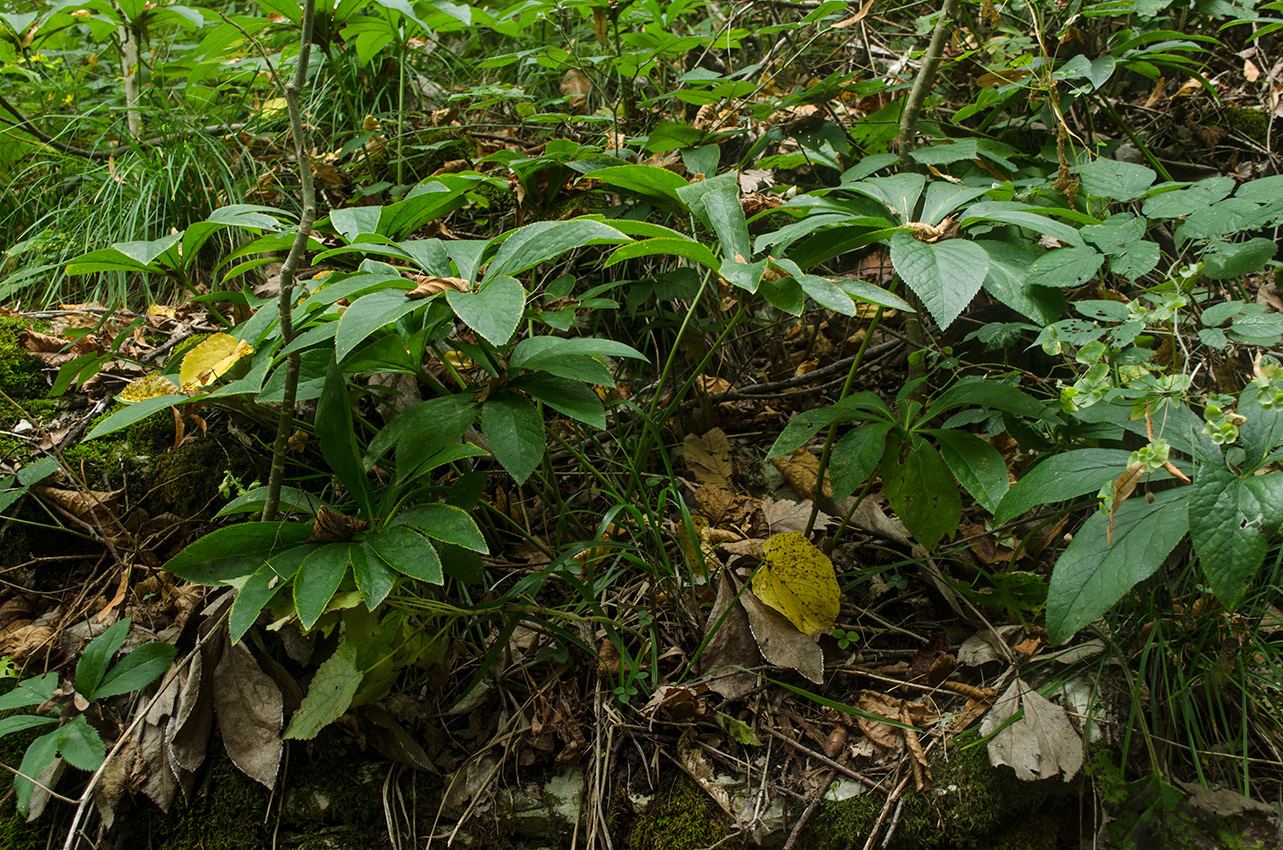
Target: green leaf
column 671, row 246
column 993, row 395
column 408, row 552
column 1065, row 268
column 977, row 465
column 373, row 577
column 802, row 428
column 136, row 670
column 514, row 432
column 716, row 202
column 870, row 294
column 537, row 352
column 368, row 314
column 494, row 310
column 317, row 580
column 1228, row 260
column 1181, row 202
column 262, row 587
column 22, row 722
column 329, row 695
column 445, row 523
column 1008, row 281
column 642, row 179
column 77, row 742
column 33, row 691
column 1062, row 477
column 1227, row 526
column 1023, row 215
column 855, row 457
column 920, row 488
column 337, row 435
column 135, row 412
column 1091, row 575
column 571, row 398
column 125, row 256
column 1120, row 181
column 945, row 275
column 899, row 193
column 235, row 551
column 535, row 243
column 93, row 662
column 827, row 294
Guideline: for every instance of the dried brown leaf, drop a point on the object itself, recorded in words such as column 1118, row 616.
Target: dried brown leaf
column 708, row 457
column 1040, row 744
column 250, row 715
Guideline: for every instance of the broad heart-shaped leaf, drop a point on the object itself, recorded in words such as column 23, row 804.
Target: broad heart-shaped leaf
column 93, row 662
column 1065, row 268
column 1120, row 181
column 1229, row 260
column 1228, row 527
column 514, row 432
column 1061, row 477
column 317, row 580
column 338, row 439
column 945, row 275
column 408, row 552
column 445, row 523
column 798, row 581
column 1091, row 575
column 328, row 696
column 572, row 398
column 535, row 243
column 920, row 488
column 856, row 456
column 374, row 578
column 493, row 311
column 977, row 465
column 135, row 412
column 136, row 670
column 716, row 202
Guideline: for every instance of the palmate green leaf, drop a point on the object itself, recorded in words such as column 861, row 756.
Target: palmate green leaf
column 1091, row 575
column 1008, row 281
column 978, row 466
column 920, row 488
column 1229, row 529
column 445, row 523
column 329, row 695
column 337, row 435
column 856, row 456
column 317, row 580
column 945, row 275
column 494, row 310
column 1062, row 477
column 514, row 431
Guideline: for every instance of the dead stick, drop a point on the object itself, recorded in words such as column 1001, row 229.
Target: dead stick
column 823, row 759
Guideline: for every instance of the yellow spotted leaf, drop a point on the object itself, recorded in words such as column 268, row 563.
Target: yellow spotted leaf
column 798, row 581
column 147, row 387
column 207, row 362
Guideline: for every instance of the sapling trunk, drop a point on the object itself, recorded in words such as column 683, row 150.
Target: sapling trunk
column 129, row 67
column 289, row 271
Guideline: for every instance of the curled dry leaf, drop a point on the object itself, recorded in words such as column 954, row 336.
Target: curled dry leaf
column 780, row 641
column 1040, row 744
column 425, row 286
column 575, row 87
column 334, row 527
column 801, row 470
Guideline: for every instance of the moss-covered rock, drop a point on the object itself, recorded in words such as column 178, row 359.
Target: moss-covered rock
column 682, row 817
column 20, row 376
column 1250, row 122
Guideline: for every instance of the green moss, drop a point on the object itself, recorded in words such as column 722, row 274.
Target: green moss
column 681, row 818
column 20, row 376
column 1250, row 122
column 185, row 481
column 971, row 805
column 230, row 816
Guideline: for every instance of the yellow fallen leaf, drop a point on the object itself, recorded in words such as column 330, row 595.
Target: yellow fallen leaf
column 798, row 581
column 207, row 362
column 149, row 386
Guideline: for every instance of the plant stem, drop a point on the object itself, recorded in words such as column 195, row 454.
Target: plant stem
column 831, row 437
column 921, row 86
column 129, row 67
column 289, row 271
